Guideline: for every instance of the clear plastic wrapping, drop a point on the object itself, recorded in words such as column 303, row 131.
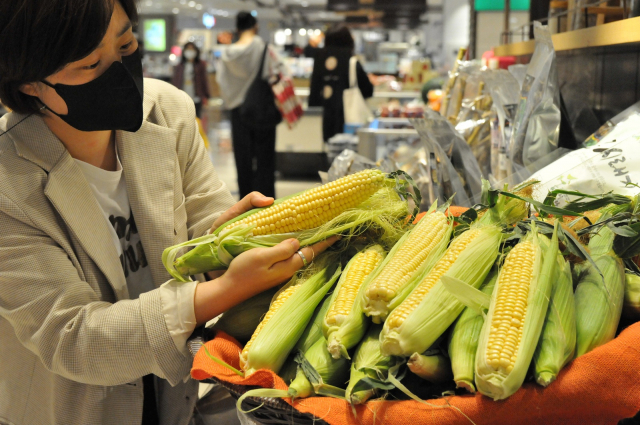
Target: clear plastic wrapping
column 438, row 135
column 537, row 122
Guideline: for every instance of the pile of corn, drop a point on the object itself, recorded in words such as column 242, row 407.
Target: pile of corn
column 473, row 307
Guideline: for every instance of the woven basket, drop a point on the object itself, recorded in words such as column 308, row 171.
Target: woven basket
column 271, row 410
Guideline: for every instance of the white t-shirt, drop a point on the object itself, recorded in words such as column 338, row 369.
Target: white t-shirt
column 110, row 190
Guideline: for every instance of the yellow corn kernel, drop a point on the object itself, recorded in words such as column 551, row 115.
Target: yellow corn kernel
column 275, row 305
column 398, row 316
column 507, row 322
column 356, row 275
column 410, row 256
column 316, row 206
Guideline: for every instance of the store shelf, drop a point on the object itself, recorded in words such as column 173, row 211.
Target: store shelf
column 611, row 34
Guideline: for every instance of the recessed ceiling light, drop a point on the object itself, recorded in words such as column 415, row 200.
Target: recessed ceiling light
column 302, row 31
column 198, row 6
column 175, row 10
column 192, row 4
column 304, row 4
column 287, row 31
column 149, row 3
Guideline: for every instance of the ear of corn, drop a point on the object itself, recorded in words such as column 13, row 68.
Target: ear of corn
column 631, row 308
column 242, row 320
column 417, row 251
column 430, row 309
column 314, row 207
column 320, row 373
column 557, row 344
column 435, row 368
column 345, row 324
column 463, row 340
column 381, row 212
column 516, row 316
column 599, row 301
column 311, row 334
column 369, row 366
column 285, row 322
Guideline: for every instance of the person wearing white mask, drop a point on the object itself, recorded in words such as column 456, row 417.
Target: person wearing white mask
column 190, row 75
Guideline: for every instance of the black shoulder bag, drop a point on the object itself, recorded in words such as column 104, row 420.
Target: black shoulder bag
column 259, row 108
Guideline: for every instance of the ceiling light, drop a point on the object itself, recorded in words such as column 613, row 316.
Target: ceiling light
column 304, row 4
column 310, row 32
column 175, row 10
column 149, row 3
column 302, row 31
column 172, row 57
column 287, row 31
column 183, row 1
column 192, row 3
column 317, row 32
column 198, row 6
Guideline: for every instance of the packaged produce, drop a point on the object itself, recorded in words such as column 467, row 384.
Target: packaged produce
column 537, row 122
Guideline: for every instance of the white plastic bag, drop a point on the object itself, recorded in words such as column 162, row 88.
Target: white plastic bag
column 356, row 110
column 608, row 166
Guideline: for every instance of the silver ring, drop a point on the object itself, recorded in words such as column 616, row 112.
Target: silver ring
column 304, row 259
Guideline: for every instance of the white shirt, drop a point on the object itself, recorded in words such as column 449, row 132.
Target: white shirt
column 110, row 190
column 189, row 85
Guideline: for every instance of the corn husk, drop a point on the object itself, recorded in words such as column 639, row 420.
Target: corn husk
column 343, row 337
column 319, row 373
column 435, row 368
column 242, row 320
column 631, row 308
column 369, row 369
column 378, row 310
column 311, row 334
column 599, row 299
column 499, row 383
column 281, row 333
column 557, row 344
column 383, row 213
column 439, row 308
column 463, row 340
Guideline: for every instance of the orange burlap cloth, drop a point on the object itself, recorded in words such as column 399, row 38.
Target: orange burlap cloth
column 601, row 387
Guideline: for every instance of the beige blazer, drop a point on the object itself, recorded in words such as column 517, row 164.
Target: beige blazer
column 73, row 346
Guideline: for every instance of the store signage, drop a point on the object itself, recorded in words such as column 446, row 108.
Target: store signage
column 489, row 5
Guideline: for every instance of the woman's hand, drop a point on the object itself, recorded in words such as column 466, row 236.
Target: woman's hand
column 249, row 202
column 250, row 273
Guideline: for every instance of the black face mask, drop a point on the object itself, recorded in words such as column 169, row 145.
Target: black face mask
column 113, row 101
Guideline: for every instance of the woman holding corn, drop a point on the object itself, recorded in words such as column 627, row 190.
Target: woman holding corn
column 92, row 330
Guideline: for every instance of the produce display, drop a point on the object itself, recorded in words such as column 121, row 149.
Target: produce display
column 478, row 302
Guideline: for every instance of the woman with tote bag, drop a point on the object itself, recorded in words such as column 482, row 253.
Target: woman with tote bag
column 243, row 75
column 339, row 83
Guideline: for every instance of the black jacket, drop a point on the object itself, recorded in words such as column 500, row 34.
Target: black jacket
column 327, row 86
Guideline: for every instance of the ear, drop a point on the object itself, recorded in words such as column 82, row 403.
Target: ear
column 30, row 89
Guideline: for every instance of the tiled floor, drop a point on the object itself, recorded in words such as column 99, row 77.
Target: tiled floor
column 222, row 158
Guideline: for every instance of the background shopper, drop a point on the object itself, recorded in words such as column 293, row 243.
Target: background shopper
column 253, row 146
column 190, row 75
column 92, row 329
column 331, row 77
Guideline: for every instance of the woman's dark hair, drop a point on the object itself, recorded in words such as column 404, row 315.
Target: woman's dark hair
column 245, row 21
column 197, row 58
column 339, row 36
column 39, row 37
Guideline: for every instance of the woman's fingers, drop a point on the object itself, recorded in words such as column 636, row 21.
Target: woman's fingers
column 294, row 262
column 249, row 202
